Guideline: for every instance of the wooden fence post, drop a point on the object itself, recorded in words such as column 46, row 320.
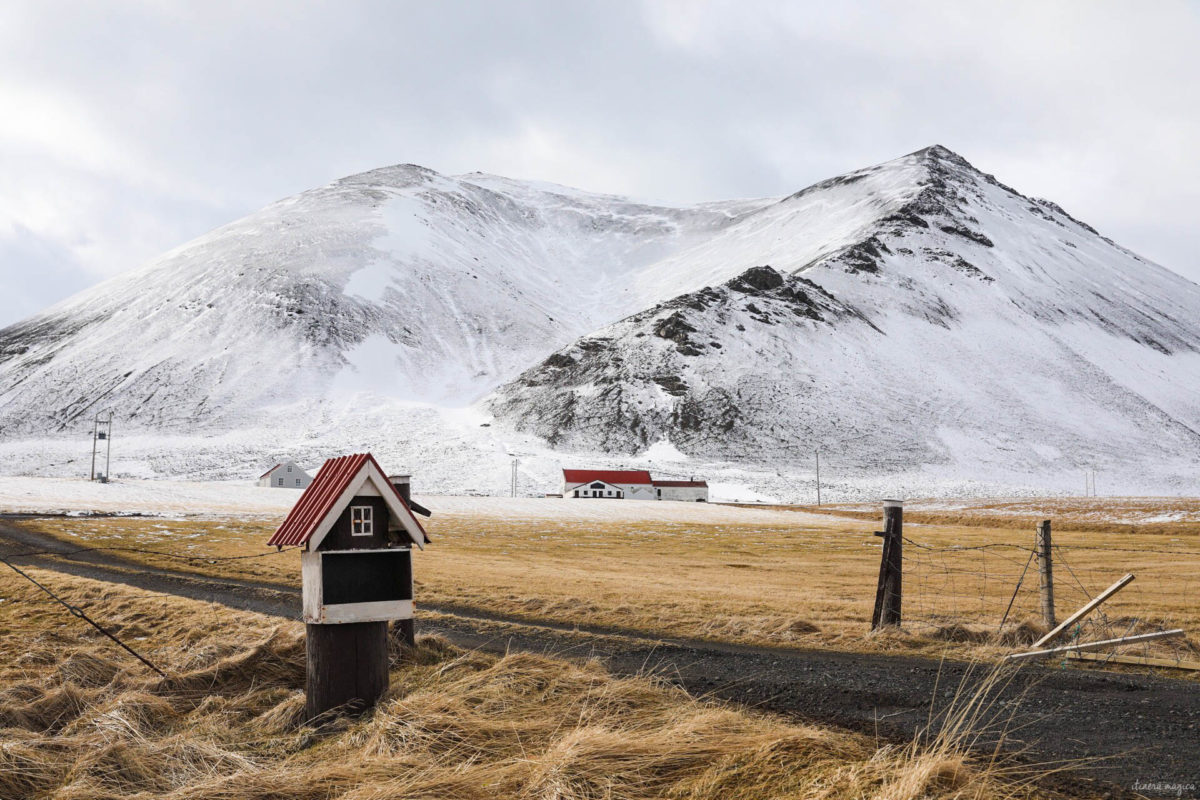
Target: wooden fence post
column 1046, row 570
column 889, row 591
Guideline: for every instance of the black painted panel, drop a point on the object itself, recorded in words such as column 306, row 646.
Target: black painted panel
column 366, row 577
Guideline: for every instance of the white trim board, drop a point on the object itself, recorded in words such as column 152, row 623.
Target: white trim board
column 363, row 612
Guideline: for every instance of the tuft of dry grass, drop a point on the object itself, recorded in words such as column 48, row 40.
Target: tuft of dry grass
column 82, row 720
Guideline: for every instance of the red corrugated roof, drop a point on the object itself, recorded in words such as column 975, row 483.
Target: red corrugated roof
column 268, row 472
column 638, row 476
column 682, row 484
column 321, row 495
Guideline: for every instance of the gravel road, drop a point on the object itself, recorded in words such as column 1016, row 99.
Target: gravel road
column 1119, row 731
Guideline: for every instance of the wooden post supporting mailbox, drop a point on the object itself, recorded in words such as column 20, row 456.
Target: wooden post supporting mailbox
column 888, row 591
column 357, row 531
column 405, row 629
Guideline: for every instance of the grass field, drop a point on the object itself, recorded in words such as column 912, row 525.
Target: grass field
column 761, row 581
column 81, row 719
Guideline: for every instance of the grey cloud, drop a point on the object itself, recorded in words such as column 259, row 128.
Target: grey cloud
column 209, row 111
column 36, row 273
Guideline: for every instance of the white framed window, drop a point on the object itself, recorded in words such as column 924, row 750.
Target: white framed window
column 361, row 522
column 289, row 467
column 281, row 481
column 297, row 481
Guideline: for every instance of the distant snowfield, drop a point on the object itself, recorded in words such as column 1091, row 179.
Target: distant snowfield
column 455, row 452
column 614, row 510
column 25, row 495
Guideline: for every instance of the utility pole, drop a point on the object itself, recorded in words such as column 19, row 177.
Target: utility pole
column 514, row 476
column 102, row 431
column 95, row 430
column 818, row 477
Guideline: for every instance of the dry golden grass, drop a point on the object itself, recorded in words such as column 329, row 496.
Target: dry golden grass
column 80, row 719
column 810, row 584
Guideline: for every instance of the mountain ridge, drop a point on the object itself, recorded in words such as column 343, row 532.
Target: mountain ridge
column 893, row 314
column 896, row 270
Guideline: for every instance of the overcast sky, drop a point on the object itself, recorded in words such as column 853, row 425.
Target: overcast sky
column 127, row 128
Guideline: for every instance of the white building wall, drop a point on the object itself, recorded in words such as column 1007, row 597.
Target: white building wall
column 288, row 475
column 629, row 491
column 638, row 491
column 687, row 493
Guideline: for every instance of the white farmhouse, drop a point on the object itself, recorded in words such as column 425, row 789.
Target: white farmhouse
column 610, row 484
column 285, row 475
column 694, row 491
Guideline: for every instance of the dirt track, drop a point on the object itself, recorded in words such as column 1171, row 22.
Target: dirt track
column 1145, row 729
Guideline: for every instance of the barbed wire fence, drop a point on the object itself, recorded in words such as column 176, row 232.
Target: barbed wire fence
column 991, row 593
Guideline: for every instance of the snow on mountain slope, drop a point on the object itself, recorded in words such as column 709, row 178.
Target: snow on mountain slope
column 401, row 282
column 921, row 324
column 946, row 321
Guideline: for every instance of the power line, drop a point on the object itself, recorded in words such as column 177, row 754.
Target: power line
column 78, row 612
column 144, row 551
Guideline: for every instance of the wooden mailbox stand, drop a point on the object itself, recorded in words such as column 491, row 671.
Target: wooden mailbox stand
column 357, row 529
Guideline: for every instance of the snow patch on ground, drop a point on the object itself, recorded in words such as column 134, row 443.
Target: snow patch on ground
column 720, row 491
column 23, row 495
column 663, row 450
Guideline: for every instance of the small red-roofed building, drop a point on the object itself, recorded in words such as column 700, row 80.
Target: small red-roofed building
column 629, row 484
column 608, row 484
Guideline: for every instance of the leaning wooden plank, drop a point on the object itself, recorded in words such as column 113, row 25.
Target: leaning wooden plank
column 1083, row 612
column 1143, row 661
column 1071, row 648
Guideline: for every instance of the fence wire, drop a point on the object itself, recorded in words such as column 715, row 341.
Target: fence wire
column 990, row 592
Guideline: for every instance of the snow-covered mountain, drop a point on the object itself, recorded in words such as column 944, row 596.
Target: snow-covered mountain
column 418, row 286
column 948, row 320
column 916, row 315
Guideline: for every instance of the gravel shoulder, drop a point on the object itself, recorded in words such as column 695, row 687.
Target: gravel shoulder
column 1122, row 730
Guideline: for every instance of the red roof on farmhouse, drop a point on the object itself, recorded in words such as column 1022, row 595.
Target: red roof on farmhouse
column 639, row 476
column 321, row 495
column 268, row 472
column 681, row 484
